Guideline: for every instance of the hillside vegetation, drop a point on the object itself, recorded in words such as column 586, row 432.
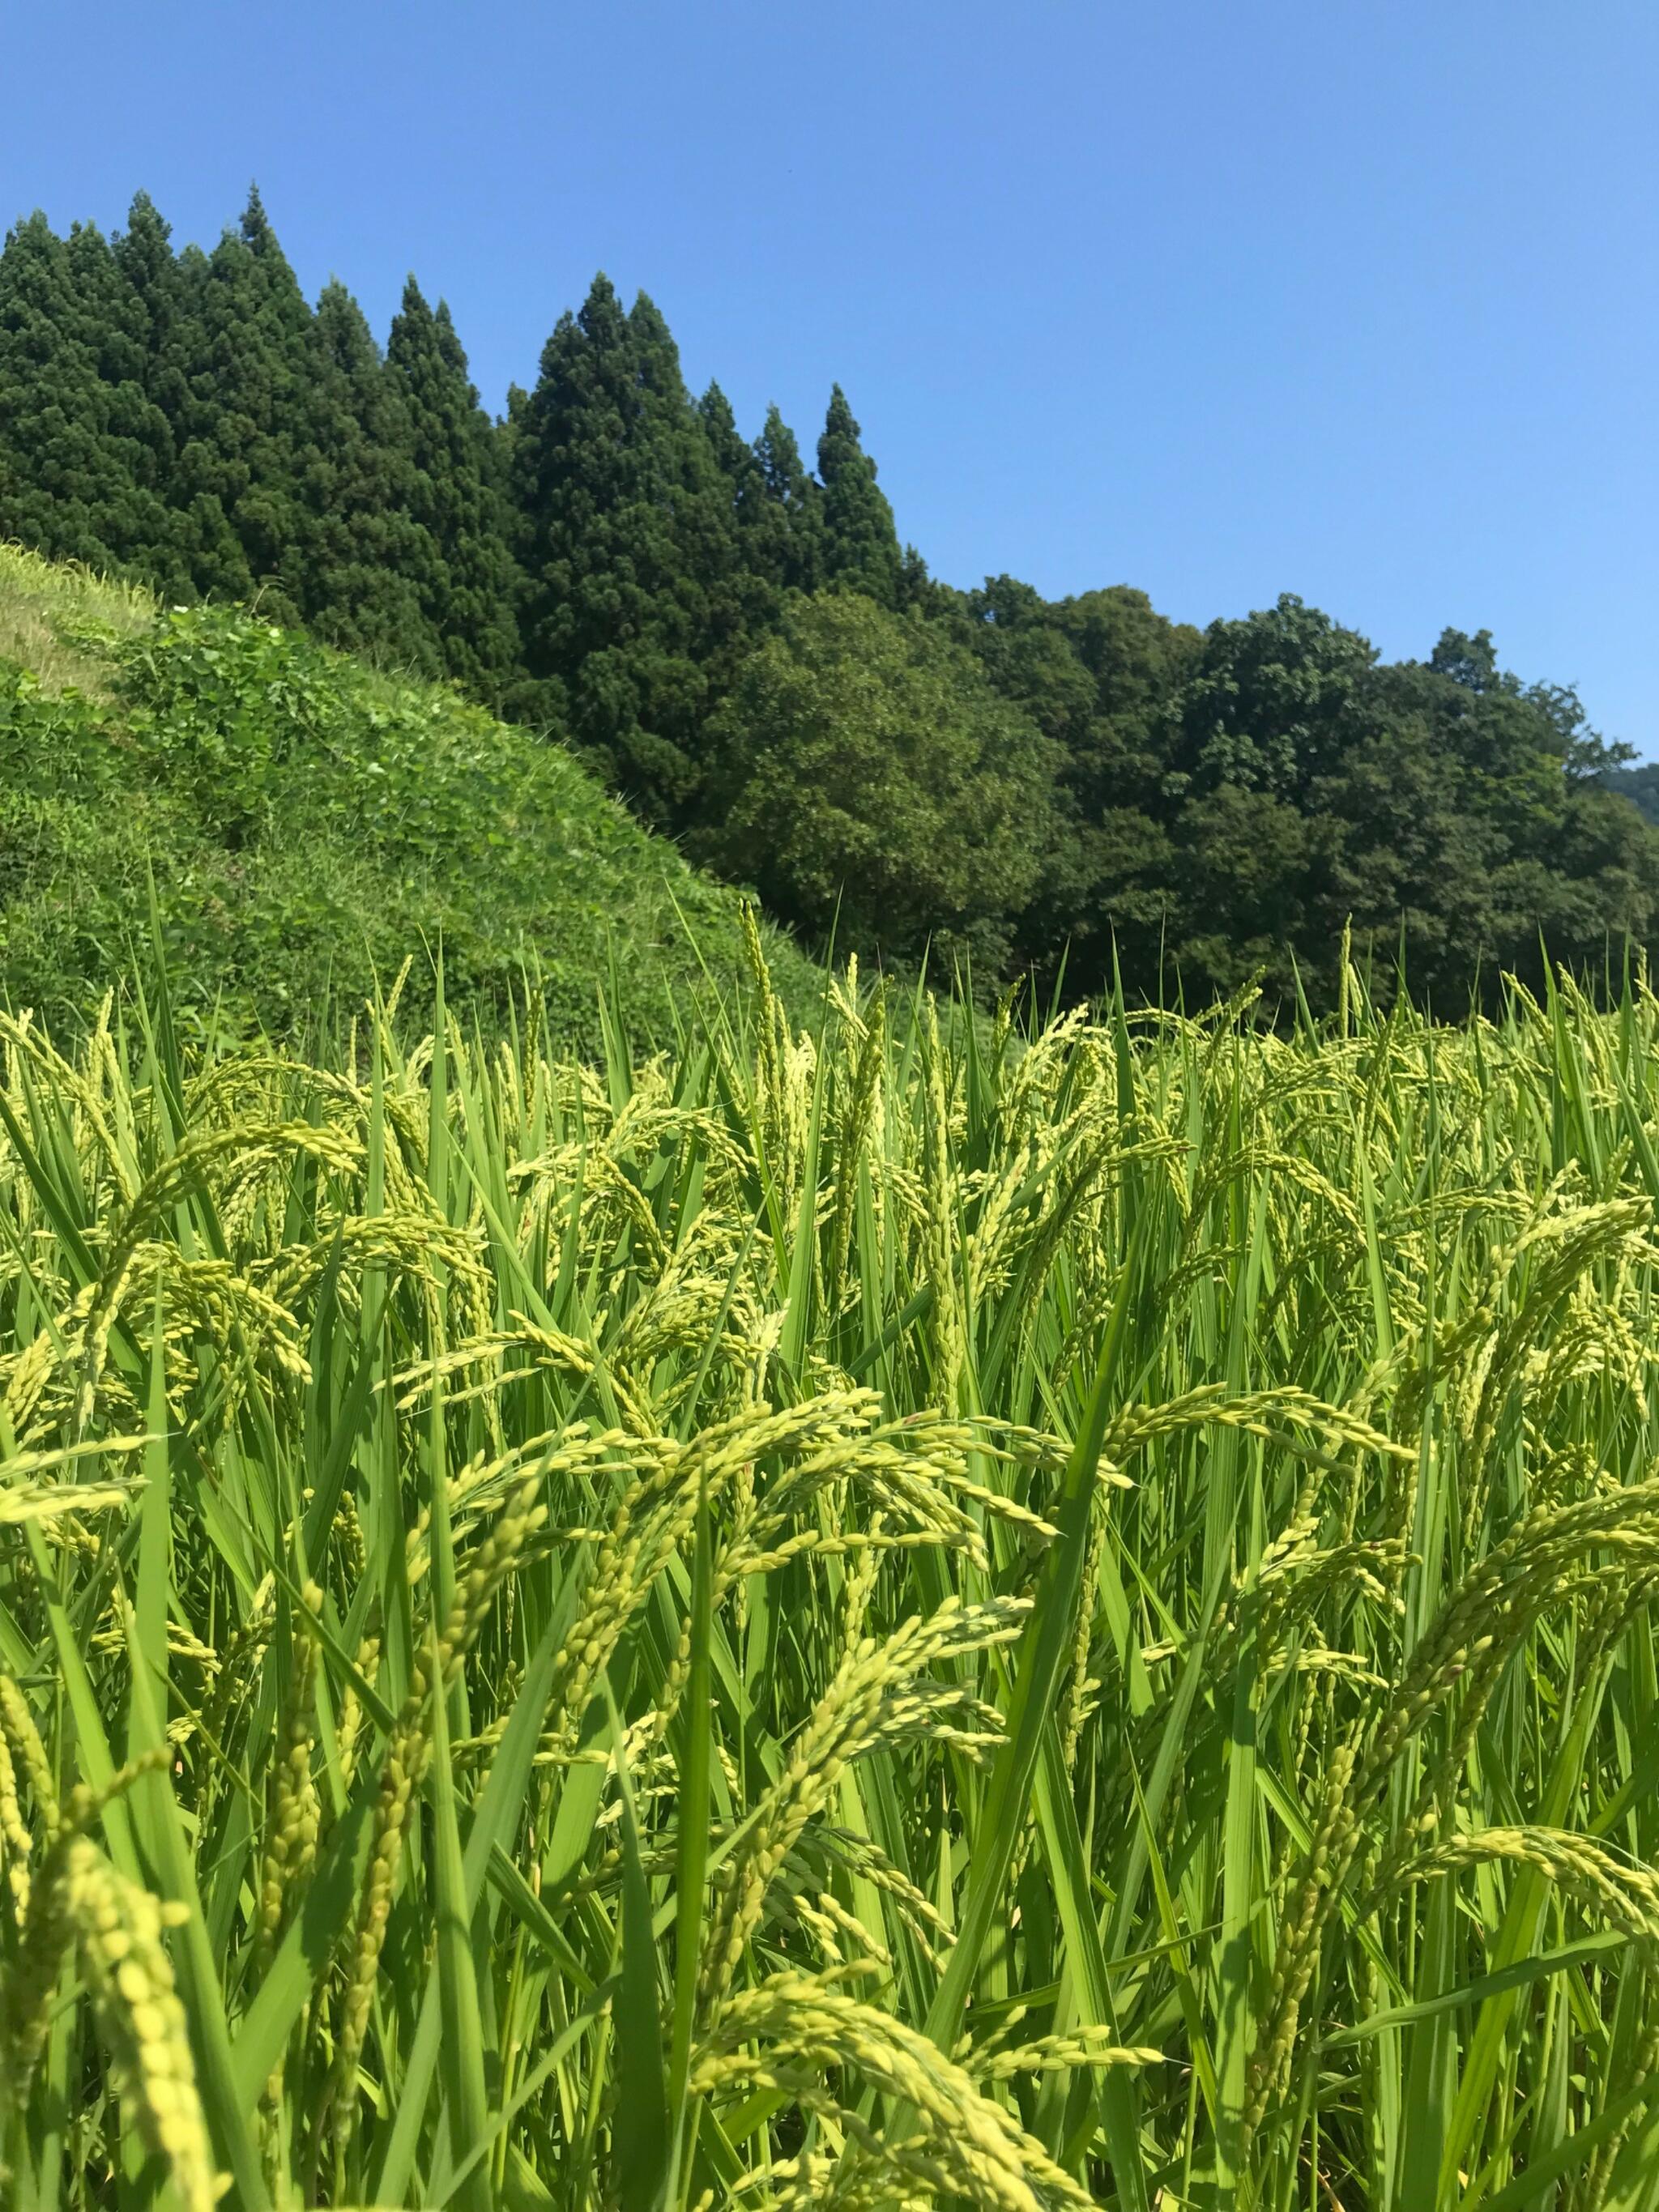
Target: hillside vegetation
column 309, row 825
column 935, row 1618
column 1639, row 784
column 730, row 632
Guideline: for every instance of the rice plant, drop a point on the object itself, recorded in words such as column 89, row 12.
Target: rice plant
column 922, row 1613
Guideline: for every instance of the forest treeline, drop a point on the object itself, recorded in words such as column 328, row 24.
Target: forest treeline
column 745, row 649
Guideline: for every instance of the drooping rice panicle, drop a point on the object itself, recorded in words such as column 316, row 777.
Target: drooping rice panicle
column 1239, row 1788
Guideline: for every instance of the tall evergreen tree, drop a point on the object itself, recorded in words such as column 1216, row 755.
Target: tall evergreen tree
column 746, row 604
column 355, row 483
column 207, row 550
column 246, row 338
column 64, row 475
column 468, row 580
column 794, row 496
column 628, row 539
column 150, row 393
column 861, row 547
column 737, row 461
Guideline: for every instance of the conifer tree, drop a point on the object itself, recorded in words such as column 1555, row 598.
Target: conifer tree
column 150, row 394
column 114, row 352
column 737, row 461
column 61, row 470
column 748, row 599
column 792, row 495
column 207, row 550
column 860, row 544
column 247, row 340
column 355, row 481
column 467, row 579
column 629, row 540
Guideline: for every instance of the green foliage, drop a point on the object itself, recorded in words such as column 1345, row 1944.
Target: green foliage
column 357, row 476
column 310, row 823
column 61, row 621
column 1098, row 675
column 1439, row 801
column 630, row 541
column 796, row 498
column 868, row 769
column 860, row 544
column 468, row 580
column 75, row 826
column 1272, row 704
column 1232, row 801
column 747, row 600
column 192, row 421
column 1212, row 806
column 244, row 334
column 913, row 1614
column 1638, row 785
column 63, row 480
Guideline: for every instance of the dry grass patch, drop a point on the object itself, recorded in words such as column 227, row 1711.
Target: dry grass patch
column 43, row 605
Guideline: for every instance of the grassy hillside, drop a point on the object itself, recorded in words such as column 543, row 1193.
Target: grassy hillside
column 310, row 825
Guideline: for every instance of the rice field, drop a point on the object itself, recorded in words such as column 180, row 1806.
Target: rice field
column 921, row 1613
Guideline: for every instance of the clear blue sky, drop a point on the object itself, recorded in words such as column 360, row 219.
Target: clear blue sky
column 1353, row 298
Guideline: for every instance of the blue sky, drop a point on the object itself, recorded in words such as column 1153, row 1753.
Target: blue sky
column 1354, row 298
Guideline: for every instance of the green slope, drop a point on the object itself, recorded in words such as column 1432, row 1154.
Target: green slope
column 1639, row 784
column 310, row 825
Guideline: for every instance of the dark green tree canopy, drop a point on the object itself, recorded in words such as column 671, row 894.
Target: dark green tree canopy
column 1099, row 674
column 64, row 475
column 1271, row 704
column 860, row 544
column 795, row 497
column 868, row 769
column 1430, row 798
column 467, row 579
column 150, row 399
column 360, row 582
column 629, row 537
column 746, row 597
column 247, row 416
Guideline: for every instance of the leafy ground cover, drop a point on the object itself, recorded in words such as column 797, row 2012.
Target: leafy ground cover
column 891, row 1615
column 306, row 823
